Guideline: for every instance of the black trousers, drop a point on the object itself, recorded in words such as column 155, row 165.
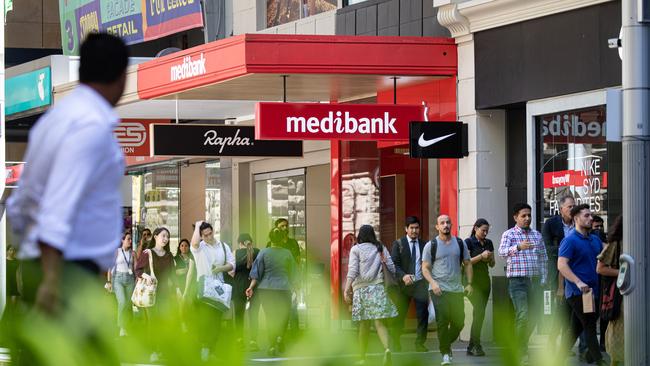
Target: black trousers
column 277, row 309
column 418, row 292
column 584, row 322
column 479, row 300
column 450, row 318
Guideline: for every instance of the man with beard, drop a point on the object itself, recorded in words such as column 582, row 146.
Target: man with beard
column 442, row 261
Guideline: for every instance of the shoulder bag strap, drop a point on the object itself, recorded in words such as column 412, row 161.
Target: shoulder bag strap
column 150, row 255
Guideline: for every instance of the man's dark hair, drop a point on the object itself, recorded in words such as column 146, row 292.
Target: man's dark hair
column 520, row 206
column 576, row 209
column 204, row 226
column 598, row 219
column 411, row 220
column 104, row 58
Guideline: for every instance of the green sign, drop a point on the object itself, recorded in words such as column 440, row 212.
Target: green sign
column 28, row 91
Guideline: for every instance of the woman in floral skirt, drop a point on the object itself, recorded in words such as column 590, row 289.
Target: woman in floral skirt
column 365, row 290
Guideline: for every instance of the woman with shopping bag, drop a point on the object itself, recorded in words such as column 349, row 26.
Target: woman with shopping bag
column 155, row 270
column 213, row 260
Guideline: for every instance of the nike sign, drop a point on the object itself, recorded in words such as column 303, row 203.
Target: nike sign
column 426, row 143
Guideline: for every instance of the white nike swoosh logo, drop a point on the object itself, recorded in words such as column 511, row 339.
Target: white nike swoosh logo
column 426, row 143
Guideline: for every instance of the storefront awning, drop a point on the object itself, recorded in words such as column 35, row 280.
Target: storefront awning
column 318, row 68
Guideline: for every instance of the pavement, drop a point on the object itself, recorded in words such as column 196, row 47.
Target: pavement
column 303, row 354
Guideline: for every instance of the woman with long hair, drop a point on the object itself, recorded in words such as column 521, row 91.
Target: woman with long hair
column 162, row 262
column 481, row 251
column 608, row 266
column 121, row 280
column 364, row 289
column 146, row 242
column 273, row 274
column 244, row 258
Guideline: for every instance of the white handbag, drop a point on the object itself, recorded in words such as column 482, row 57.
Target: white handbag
column 214, row 291
column 144, row 294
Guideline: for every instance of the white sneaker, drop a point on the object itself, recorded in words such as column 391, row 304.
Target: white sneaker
column 154, row 357
column 123, row 332
column 446, row 360
column 205, row 354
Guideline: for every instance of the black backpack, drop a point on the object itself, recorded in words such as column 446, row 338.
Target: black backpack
column 434, row 249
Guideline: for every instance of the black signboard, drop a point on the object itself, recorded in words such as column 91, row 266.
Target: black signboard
column 438, row 140
column 214, row 140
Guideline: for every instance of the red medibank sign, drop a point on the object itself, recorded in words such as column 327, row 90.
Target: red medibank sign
column 317, row 121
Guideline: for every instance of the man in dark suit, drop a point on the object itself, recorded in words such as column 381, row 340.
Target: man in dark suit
column 406, row 253
column 554, row 230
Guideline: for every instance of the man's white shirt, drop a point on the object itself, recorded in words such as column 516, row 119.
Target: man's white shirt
column 207, row 255
column 69, row 193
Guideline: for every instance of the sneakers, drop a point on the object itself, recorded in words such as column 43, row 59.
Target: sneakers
column 446, row 360
column 205, row 354
column 475, row 351
column 253, row 347
column 388, row 358
column 154, row 357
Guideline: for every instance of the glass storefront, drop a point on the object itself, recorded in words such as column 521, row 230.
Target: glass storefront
column 156, row 196
column 577, row 160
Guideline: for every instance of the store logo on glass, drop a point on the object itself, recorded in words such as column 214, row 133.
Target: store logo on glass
column 188, row 68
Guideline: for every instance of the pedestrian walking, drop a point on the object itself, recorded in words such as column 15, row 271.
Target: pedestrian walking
column 145, row 243
column 272, row 281
column 291, row 244
column 67, row 207
column 406, row 254
column 160, row 260
column 554, row 230
column 182, row 263
column 365, row 289
column 608, row 266
column 443, row 260
column 213, row 258
column 481, row 251
column 121, row 281
column 185, row 280
column 526, row 269
column 244, row 258
column 577, row 263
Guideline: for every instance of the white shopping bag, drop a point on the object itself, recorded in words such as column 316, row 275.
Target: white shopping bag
column 432, row 312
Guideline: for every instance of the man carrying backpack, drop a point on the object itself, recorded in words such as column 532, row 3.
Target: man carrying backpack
column 442, row 262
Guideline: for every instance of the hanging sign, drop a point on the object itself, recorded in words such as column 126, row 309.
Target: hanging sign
column 318, row 121
column 133, row 136
column 438, row 140
column 214, row 140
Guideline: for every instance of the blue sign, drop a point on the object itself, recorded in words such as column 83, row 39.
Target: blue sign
column 28, row 91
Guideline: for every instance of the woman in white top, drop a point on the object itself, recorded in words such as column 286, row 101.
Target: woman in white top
column 212, row 257
column 364, row 289
column 121, row 280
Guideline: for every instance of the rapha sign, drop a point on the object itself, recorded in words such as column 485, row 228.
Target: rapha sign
column 217, row 140
column 316, row 121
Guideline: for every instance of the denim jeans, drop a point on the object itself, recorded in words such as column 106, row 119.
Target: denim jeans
column 123, row 285
column 525, row 293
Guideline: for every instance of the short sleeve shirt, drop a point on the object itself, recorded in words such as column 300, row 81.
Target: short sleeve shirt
column 582, row 252
column 446, row 268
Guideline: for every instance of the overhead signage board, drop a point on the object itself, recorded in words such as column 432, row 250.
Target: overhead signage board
column 28, row 91
column 134, row 21
column 438, row 140
column 318, row 121
column 215, row 140
column 133, row 136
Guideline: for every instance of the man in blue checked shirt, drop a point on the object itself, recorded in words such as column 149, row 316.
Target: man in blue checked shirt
column 526, row 258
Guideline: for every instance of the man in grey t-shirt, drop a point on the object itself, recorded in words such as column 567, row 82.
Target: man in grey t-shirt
column 443, row 272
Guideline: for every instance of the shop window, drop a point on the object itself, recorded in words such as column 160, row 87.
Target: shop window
column 213, row 197
column 574, row 160
column 284, row 11
column 156, row 201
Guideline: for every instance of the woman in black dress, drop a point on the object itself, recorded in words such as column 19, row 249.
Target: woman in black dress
column 244, row 257
column 481, row 250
